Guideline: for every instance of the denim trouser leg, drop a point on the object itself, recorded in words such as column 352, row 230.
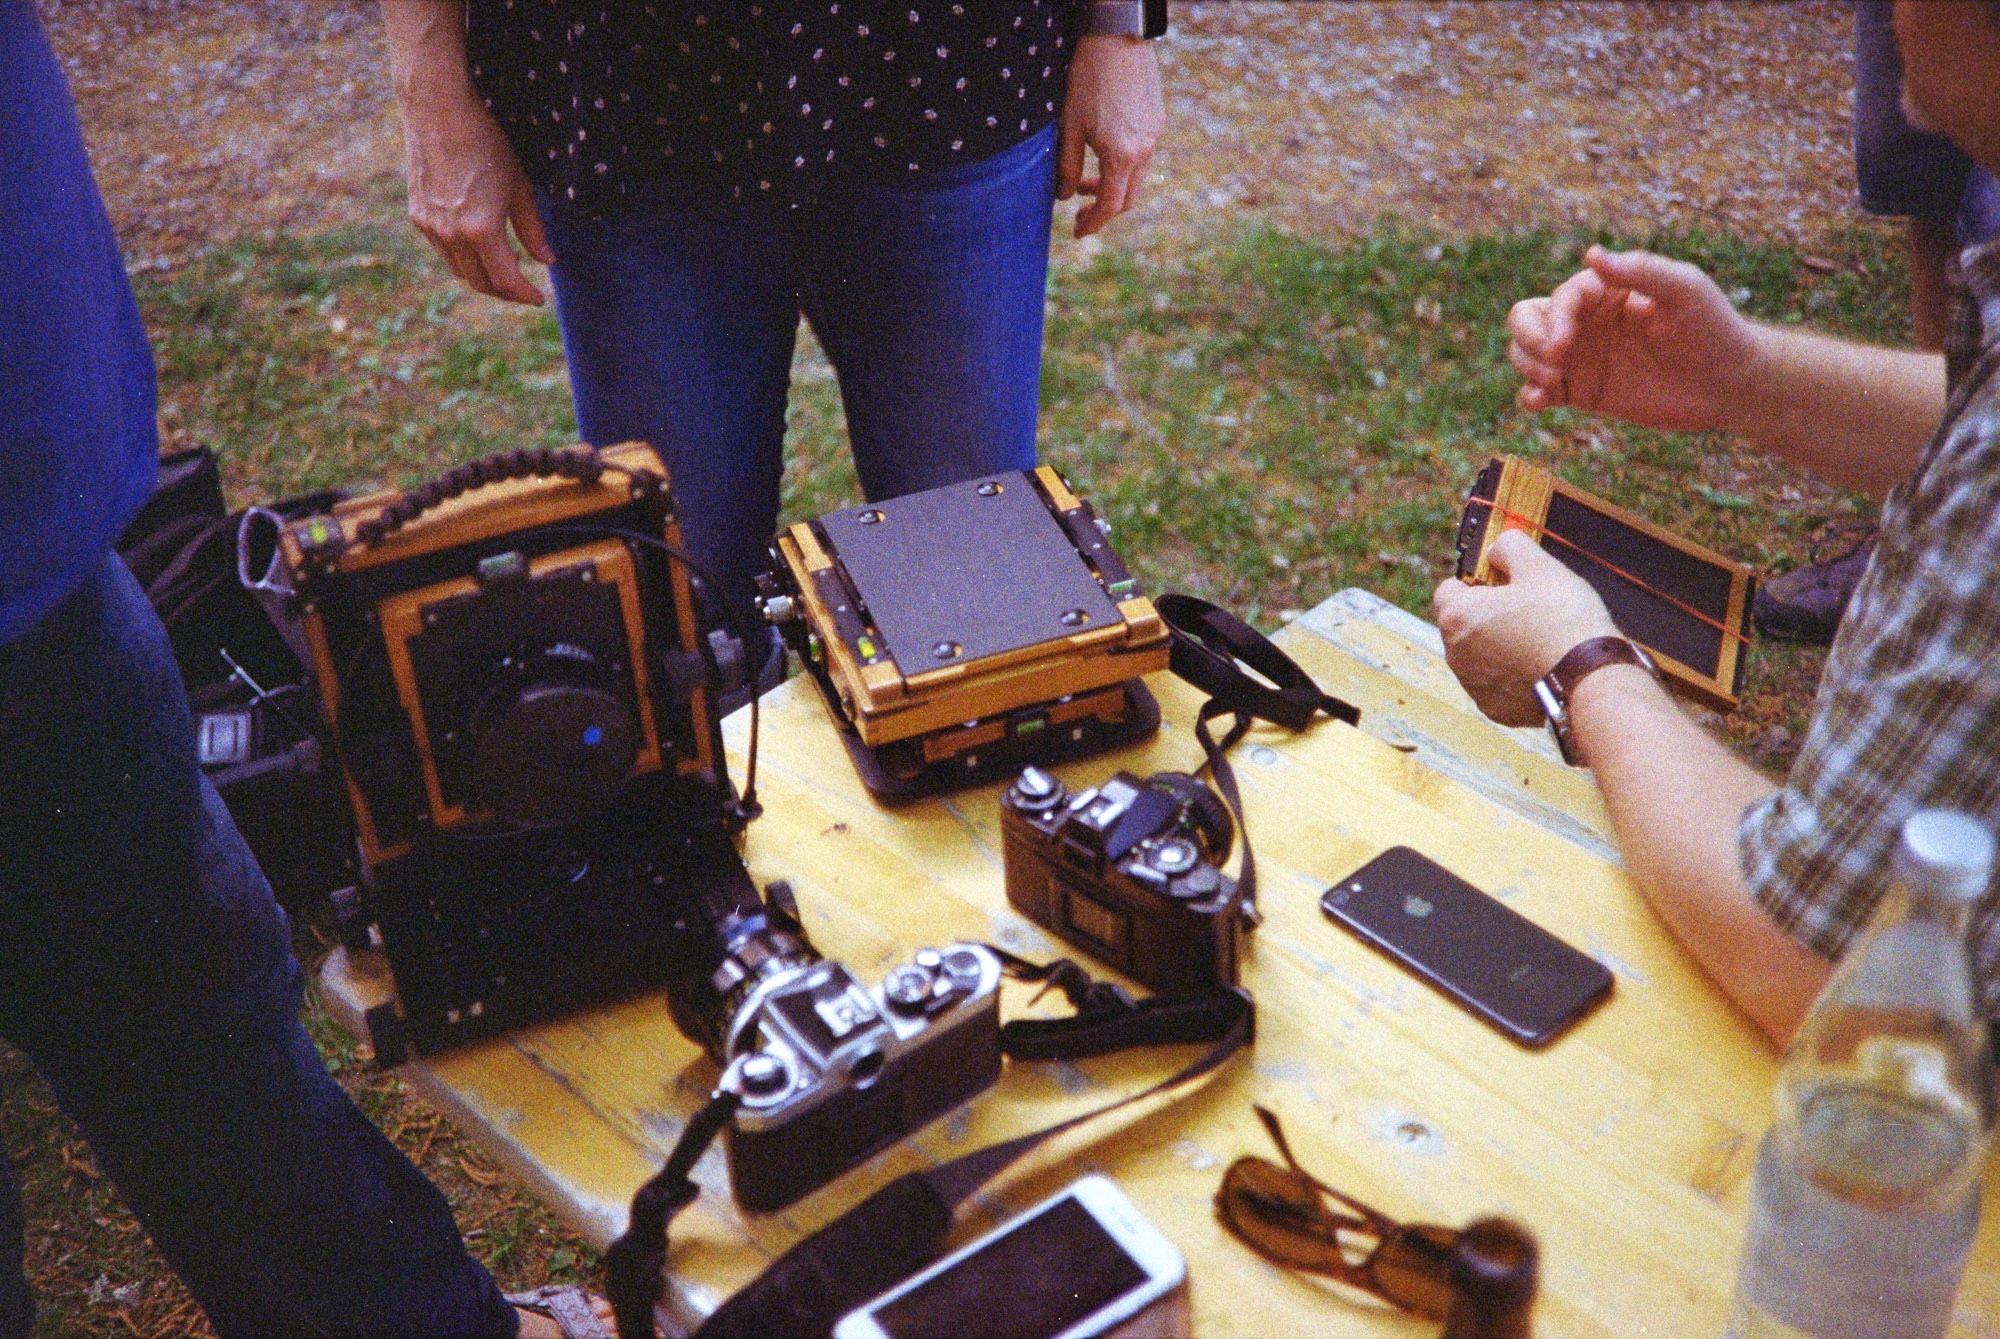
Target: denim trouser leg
column 146, row 971
column 17, row 1309
column 679, row 315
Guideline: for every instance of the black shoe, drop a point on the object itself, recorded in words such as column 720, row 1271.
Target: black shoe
column 1806, row 604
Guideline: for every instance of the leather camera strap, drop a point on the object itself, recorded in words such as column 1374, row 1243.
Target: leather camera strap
column 901, row 1227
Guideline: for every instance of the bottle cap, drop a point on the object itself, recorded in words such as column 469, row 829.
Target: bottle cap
column 1947, row 854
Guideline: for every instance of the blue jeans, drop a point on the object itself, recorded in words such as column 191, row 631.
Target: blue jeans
column 679, row 313
column 146, row 971
column 1901, row 171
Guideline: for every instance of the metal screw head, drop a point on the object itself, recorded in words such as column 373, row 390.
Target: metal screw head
column 870, row 517
column 990, row 489
column 946, row 650
column 1074, row 618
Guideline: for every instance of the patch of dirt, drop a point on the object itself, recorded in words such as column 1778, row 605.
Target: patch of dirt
column 209, row 119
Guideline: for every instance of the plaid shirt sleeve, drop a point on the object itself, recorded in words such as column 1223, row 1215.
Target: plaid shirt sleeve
column 1908, row 714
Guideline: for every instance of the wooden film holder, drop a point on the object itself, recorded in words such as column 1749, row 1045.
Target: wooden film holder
column 961, row 633
column 1689, row 606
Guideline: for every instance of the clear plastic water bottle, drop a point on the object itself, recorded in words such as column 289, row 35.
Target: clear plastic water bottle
column 1865, row 1199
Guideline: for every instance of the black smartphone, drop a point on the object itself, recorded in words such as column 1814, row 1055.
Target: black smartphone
column 1484, row 955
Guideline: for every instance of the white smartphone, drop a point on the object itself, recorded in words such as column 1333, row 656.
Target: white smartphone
column 1071, row 1267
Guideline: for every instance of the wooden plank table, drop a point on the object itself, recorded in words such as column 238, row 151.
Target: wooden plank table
column 1626, row 1146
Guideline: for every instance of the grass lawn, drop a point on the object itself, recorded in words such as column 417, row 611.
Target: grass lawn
column 1264, row 421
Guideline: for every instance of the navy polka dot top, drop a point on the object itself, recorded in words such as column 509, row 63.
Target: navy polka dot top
column 772, row 97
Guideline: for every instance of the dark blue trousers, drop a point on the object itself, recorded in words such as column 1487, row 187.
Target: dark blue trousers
column 679, row 313
column 146, row 971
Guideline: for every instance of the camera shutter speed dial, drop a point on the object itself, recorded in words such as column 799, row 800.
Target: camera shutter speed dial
column 763, row 1075
column 907, row 989
column 1173, row 855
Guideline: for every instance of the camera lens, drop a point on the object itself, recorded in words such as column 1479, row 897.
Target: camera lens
column 554, row 739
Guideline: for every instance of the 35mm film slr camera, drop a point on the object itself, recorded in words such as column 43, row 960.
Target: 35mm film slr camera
column 830, row 1071
column 1130, row 871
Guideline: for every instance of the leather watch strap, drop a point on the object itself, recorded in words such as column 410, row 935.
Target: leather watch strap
column 1595, row 654
column 1555, row 689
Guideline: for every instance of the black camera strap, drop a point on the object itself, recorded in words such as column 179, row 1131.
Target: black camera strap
column 901, row 1227
column 1210, row 648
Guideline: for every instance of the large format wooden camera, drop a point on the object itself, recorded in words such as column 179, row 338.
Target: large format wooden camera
column 519, row 687
column 962, row 633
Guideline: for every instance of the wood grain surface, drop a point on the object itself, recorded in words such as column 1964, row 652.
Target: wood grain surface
column 1626, row 1146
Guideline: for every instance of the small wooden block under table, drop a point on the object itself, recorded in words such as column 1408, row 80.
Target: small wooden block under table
column 1626, row 1146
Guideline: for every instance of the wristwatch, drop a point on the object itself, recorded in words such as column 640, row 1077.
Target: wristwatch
column 1554, row 689
column 1125, row 18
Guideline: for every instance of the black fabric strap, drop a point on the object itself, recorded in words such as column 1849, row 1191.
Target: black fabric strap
column 899, row 1229
column 1210, row 648
column 1245, row 896
column 1208, row 644
column 635, row 1263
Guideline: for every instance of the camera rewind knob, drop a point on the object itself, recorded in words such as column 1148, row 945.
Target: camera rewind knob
column 763, row 1075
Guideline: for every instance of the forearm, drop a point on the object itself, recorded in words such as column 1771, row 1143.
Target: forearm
column 426, row 40
column 1675, row 796
column 1854, row 414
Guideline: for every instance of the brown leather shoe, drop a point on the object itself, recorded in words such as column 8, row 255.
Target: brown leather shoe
column 1806, row 604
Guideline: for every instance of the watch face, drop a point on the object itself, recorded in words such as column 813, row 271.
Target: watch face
column 1156, row 18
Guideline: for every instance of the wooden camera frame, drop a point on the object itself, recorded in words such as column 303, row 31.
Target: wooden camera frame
column 413, row 606
column 1688, row 605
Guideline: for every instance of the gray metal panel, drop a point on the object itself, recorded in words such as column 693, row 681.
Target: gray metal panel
column 989, row 573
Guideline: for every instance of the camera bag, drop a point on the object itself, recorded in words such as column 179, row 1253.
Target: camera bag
column 254, row 723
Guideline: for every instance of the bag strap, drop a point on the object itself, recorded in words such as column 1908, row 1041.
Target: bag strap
column 900, row 1228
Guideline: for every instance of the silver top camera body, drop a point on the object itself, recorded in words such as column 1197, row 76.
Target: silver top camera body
column 829, row 1071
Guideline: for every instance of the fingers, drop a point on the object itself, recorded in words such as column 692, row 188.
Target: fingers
column 482, row 257
column 1515, row 554
column 1539, row 374
column 1653, row 277
column 1069, row 157
column 527, row 221
column 1117, row 186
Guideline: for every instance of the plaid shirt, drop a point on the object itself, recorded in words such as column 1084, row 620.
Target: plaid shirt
column 1908, row 714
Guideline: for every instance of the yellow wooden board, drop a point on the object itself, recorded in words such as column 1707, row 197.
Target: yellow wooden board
column 1626, row 1146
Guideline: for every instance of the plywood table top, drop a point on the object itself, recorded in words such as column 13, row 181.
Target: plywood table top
column 1626, row 1146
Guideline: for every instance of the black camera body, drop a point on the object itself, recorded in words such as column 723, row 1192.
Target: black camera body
column 829, row 1071
column 1130, row 871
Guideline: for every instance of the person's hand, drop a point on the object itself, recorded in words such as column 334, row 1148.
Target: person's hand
column 1114, row 108
column 466, row 187
column 1636, row 336
column 1499, row 639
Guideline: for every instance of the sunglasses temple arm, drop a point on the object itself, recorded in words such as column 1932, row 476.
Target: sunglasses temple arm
column 1373, row 1219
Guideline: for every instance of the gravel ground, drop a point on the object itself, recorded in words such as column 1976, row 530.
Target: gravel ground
column 213, row 118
